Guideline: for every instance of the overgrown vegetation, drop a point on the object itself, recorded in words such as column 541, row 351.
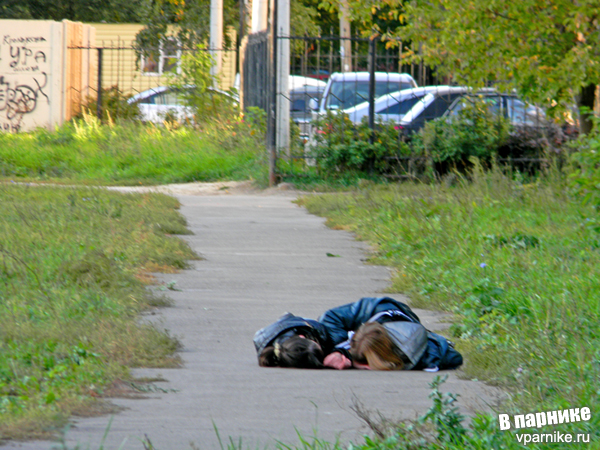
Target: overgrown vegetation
column 342, row 147
column 342, row 151
column 196, row 84
column 86, row 151
column 514, row 261
column 74, row 265
column 114, row 104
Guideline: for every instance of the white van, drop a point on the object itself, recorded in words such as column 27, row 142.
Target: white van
column 348, row 89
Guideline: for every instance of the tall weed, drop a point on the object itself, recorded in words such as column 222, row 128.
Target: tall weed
column 86, row 151
column 515, row 262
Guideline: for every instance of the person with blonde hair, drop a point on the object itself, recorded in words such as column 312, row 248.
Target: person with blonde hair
column 377, row 333
column 372, row 347
column 384, row 334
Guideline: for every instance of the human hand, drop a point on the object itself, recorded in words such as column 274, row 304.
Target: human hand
column 337, row 361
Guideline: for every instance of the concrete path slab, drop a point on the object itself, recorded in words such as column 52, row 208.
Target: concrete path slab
column 263, row 256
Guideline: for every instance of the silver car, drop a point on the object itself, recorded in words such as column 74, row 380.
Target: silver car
column 164, row 101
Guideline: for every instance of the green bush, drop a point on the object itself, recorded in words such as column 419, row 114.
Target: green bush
column 114, row 106
column 341, row 146
column 206, row 103
column 585, row 170
column 476, row 132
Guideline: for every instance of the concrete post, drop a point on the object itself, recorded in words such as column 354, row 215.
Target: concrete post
column 345, row 43
column 260, row 10
column 283, row 76
column 216, row 37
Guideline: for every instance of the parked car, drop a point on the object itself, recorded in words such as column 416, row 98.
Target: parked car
column 506, row 105
column 157, row 103
column 449, row 101
column 320, row 74
column 299, row 82
column 393, row 107
column 348, row 89
column 300, row 111
column 432, row 106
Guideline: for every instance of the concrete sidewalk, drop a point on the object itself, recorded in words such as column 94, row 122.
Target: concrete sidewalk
column 264, row 256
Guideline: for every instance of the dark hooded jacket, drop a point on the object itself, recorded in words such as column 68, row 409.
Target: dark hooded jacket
column 289, row 325
column 439, row 353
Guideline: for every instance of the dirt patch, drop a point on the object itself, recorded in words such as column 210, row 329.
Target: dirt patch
column 216, row 188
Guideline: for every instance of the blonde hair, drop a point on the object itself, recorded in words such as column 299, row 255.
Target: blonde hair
column 372, row 345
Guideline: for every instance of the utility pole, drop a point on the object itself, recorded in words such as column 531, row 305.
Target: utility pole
column 283, row 76
column 345, row 42
column 216, row 38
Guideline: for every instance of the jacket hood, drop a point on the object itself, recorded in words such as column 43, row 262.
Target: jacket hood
column 291, row 324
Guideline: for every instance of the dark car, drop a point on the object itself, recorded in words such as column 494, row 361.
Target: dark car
column 505, row 105
column 432, row 106
column 448, row 103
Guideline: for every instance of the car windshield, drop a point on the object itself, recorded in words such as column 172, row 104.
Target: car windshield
column 400, row 107
column 521, row 113
column 169, row 97
column 346, row 94
column 517, row 111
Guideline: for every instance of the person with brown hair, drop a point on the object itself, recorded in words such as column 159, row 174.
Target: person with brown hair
column 372, row 347
column 384, row 334
column 295, row 351
column 292, row 341
column 389, row 336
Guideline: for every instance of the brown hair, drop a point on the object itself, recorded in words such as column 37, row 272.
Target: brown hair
column 295, row 351
column 372, row 345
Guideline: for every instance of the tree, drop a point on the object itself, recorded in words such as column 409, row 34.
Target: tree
column 190, row 18
column 546, row 49
column 111, row 11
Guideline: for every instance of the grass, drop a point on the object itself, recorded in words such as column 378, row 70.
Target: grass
column 514, row 261
column 517, row 265
column 74, row 268
column 87, row 152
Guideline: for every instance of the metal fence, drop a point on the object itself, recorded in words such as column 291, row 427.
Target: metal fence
column 378, row 107
column 124, row 71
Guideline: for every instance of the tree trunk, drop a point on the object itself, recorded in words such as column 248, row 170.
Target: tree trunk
column 586, row 99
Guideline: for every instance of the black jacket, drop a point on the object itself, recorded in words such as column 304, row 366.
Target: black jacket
column 289, row 325
column 346, row 318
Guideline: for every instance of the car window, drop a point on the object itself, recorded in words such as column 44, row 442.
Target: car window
column 163, row 98
column 492, row 102
column 401, row 107
column 520, row 112
column 438, row 107
column 346, row 94
column 300, row 101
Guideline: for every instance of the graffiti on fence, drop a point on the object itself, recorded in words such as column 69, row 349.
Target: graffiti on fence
column 16, row 100
column 23, row 77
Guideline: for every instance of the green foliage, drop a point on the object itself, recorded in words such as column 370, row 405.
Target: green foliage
column 187, row 21
column 110, row 11
column 543, row 49
column 585, row 176
column 86, row 151
column 340, row 146
column 114, row 106
column 206, row 103
column 475, row 132
column 72, row 265
column 515, row 263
